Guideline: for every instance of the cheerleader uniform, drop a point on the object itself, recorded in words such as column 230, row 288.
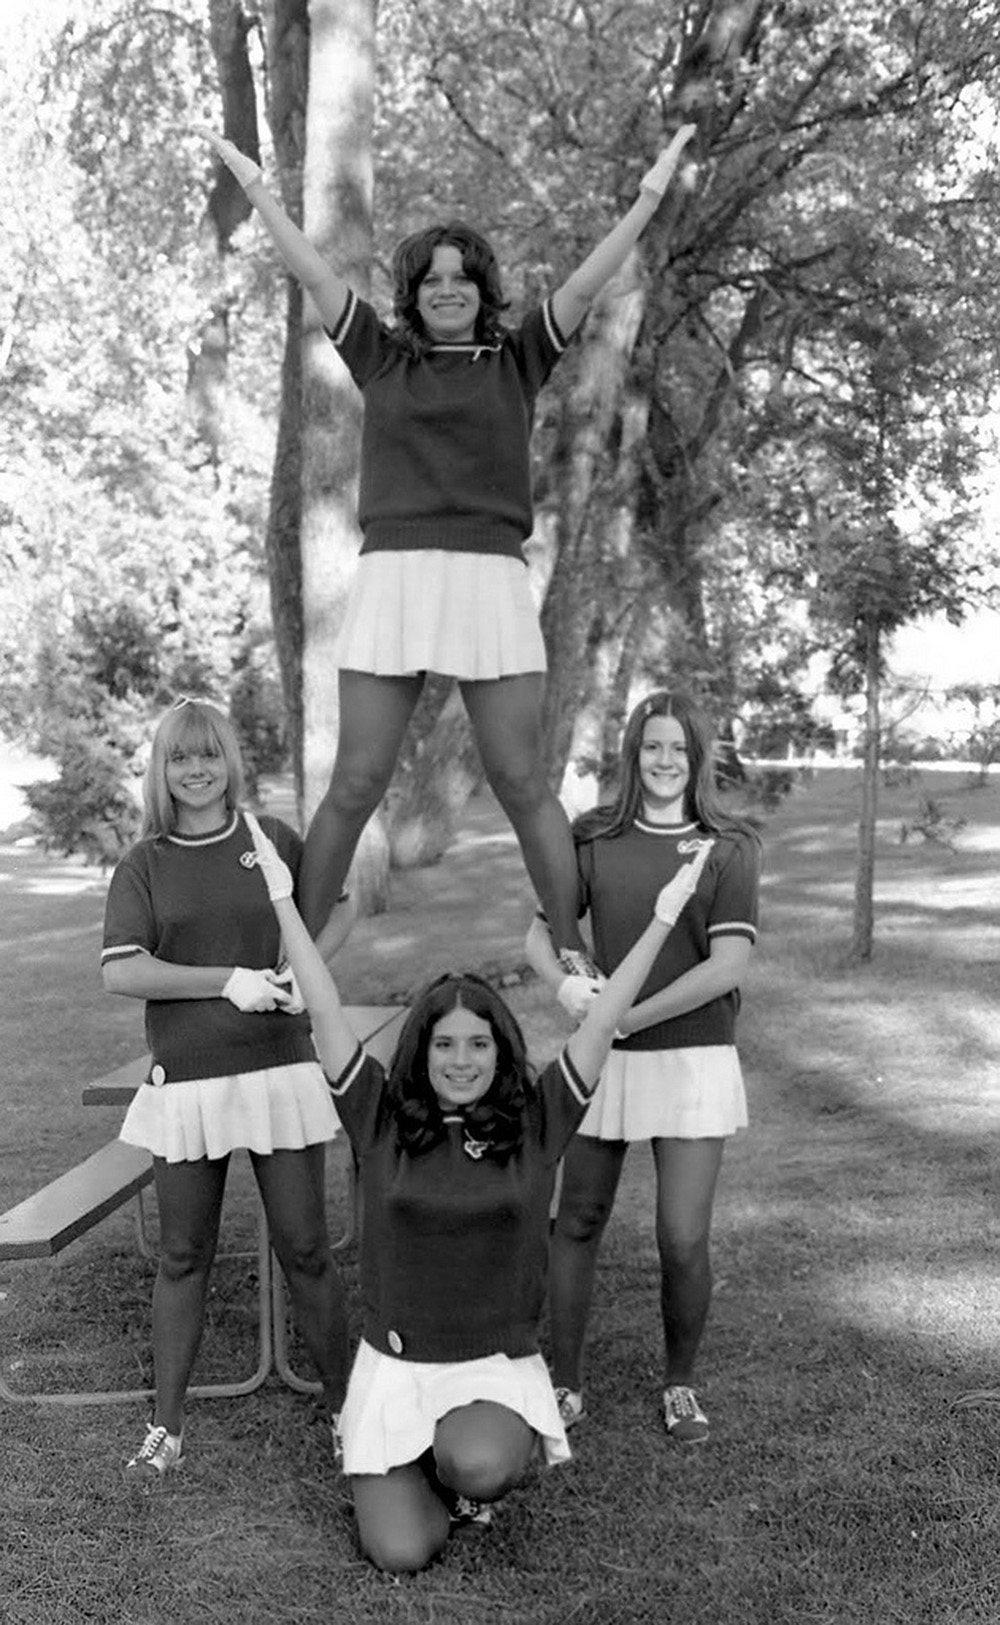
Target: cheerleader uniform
column 454, row 1251
column 220, row 1078
column 680, row 1078
column 444, row 502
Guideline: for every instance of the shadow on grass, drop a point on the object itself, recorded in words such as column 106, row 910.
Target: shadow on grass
column 857, row 1226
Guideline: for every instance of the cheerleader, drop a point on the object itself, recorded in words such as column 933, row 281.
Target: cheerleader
column 189, row 929
column 445, row 509
column 673, row 1075
column 449, row 1398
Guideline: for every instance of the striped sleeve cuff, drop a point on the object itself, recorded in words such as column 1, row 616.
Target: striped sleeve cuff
column 339, row 1086
column 573, row 1080
column 734, row 928
column 123, row 950
column 555, row 336
column 336, row 334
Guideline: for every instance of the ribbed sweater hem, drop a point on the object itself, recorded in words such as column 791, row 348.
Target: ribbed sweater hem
column 190, row 1064
column 450, row 535
column 442, row 1345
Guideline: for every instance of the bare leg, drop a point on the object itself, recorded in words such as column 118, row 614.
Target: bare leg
column 506, row 716
column 374, row 715
column 402, row 1522
column 591, row 1171
column 189, row 1198
column 292, row 1189
column 686, row 1175
column 482, row 1450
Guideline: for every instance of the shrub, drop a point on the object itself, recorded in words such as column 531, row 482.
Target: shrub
column 89, row 808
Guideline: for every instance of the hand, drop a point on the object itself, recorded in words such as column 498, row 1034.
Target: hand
column 244, row 168
column 254, row 991
column 676, row 892
column 296, row 1003
column 276, row 873
column 659, row 177
column 576, row 994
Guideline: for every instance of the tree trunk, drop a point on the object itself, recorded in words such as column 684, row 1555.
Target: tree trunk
column 864, row 884
column 337, row 215
column 228, row 208
column 287, row 35
column 572, row 608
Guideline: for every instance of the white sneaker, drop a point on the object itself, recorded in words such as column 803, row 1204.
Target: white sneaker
column 467, row 1514
column 570, row 1407
column 159, row 1454
column 683, row 1417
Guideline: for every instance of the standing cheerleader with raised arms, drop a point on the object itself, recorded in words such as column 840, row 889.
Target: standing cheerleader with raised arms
column 445, row 507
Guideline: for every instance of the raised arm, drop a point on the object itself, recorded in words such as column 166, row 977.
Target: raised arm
column 571, row 302
column 327, row 290
column 589, row 1045
column 336, row 1040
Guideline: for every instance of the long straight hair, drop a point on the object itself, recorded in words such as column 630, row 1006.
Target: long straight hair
column 411, row 262
column 701, row 798
column 497, row 1118
column 190, row 725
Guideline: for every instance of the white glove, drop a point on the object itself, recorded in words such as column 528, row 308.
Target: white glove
column 676, row 892
column 576, row 994
column 254, row 990
column 244, row 168
column 296, row 1003
column 659, row 177
column 276, row 873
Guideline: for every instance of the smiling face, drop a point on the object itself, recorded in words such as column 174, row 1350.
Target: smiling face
column 197, row 777
column 448, row 299
column 461, row 1057
column 664, row 769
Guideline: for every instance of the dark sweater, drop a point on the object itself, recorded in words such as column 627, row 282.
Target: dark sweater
column 444, row 444
column 201, row 901
column 454, row 1247
column 620, row 878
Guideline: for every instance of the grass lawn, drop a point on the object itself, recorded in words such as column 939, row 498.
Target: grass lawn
column 856, row 1237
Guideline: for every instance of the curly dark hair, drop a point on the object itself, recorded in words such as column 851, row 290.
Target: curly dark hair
column 411, row 262
column 497, row 1118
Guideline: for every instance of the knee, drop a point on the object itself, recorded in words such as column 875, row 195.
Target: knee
column 582, row 1217
column 182, row 1259
column 478, row 1469
column 306, row 1257
column 520, row 786
column 357, row 785
column 399, row 1551
column 683, row 1251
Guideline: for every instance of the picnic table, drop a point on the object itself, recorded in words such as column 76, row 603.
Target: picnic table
column 46, row 1222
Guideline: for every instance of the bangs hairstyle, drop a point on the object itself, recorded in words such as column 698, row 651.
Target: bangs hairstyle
column 191, row 725
column 411, row 263
column 701, row 798
column 498, row 1118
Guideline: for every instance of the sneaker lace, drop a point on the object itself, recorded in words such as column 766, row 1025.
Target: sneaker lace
column 151, row 1444
column 682, row 1402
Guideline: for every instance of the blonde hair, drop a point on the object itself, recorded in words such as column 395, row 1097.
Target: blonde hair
column 190, row 725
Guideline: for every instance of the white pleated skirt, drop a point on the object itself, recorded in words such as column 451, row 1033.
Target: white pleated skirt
column 393, row 1406
column 278, row 1108
column 669, row 1094
column 465, row 615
